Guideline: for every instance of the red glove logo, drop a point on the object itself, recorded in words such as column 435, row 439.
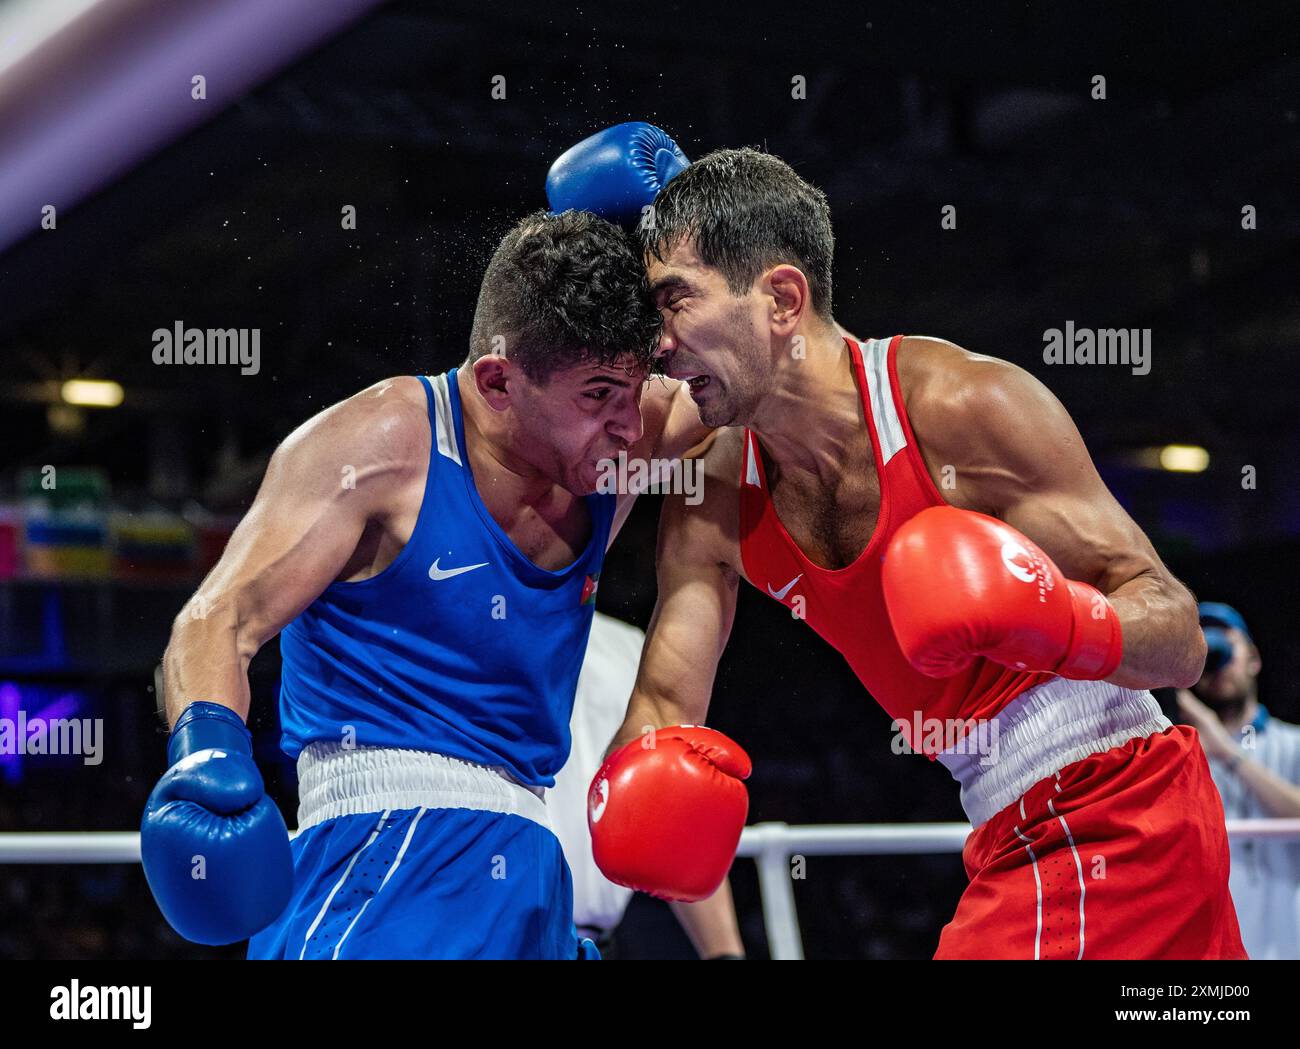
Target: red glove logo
column 1019, row 561
column 598, row 799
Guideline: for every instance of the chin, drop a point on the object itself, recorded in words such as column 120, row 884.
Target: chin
column 714, row 414
column 582, row 482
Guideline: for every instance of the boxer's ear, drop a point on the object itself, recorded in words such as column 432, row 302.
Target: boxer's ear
column 791, row 296
column 493, row 376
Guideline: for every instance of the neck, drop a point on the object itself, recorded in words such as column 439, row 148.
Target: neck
column 812, row 414
column 501, row 475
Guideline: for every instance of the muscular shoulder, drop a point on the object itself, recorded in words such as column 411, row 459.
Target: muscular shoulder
column 671, row 422
column 658, row 395
column 701, row 524
column 387, row 415
column 980, row 413
column 381, row 432
column 939, row 379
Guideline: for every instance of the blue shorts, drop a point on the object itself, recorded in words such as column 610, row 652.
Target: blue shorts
column 425, row 883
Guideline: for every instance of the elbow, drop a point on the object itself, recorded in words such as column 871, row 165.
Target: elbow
column 213, row 624
column 1190, row 672
column 1192, row 648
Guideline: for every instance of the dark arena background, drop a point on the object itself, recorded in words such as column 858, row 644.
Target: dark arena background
column 1122, row 166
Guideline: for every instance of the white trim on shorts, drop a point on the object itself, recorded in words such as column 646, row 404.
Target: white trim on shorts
column 392, row 869
column 1041, row 731
column 338, row 781
column 324, row 907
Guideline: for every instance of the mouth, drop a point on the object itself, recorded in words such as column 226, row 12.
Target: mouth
column 696, row 381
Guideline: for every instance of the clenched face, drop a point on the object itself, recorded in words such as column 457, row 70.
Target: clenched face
column 580, row 415
column 716, row 341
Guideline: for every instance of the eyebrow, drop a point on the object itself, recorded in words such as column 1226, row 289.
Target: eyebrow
column 608, row 379
column 669, row 281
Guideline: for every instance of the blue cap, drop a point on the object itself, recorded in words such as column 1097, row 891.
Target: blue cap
column 1216, row 613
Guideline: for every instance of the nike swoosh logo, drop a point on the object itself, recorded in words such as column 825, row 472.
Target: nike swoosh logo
column 446, row 573
column 780, row 594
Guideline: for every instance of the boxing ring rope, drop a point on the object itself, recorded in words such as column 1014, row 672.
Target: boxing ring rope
column 770, row 845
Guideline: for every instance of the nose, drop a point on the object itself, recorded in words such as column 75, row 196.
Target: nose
column 627, row 425
column 667, row 343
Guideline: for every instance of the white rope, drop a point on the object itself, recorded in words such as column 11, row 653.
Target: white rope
column 856, row 839
column 771, row 845
column 71, row 847
column 760, row 839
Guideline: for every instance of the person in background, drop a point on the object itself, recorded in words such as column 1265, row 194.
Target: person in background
column 604, row 683
column 1255, row 761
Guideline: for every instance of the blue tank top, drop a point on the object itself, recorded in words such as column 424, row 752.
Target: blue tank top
column 461, row 646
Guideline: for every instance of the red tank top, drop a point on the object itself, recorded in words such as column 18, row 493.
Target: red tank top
column 847, row 606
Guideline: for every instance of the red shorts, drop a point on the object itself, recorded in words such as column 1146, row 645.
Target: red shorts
column 1121, row 855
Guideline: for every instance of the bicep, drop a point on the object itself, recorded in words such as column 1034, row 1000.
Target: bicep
column 1087, row 533
column 692, row 618
column 288, row 549
column 1046, row 485
column 304, row 525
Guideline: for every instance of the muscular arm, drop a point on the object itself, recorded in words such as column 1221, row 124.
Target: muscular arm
column 692, row 618
column 331, row 478
column 1016, row 455
column 683, row 434
column 672, row 431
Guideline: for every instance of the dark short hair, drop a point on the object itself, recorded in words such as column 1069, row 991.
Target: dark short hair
column 563, row 290
column 747, row 211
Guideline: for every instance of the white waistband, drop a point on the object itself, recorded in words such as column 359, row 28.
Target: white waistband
column 1041, row 731
column 345, row 781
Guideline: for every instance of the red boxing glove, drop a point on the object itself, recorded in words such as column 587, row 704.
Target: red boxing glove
column 666, row 815
column 961, row 585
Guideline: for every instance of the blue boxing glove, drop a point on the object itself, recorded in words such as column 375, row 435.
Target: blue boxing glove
column 215, row 848
column 615, row 173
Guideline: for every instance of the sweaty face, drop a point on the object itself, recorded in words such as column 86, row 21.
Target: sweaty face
column 1231, row 683
column 716, row 341
column 580, row 415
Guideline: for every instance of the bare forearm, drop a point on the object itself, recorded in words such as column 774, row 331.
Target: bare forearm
column 646, row 712
column 711, row 924
column 205, row 661
column 1163, row 644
